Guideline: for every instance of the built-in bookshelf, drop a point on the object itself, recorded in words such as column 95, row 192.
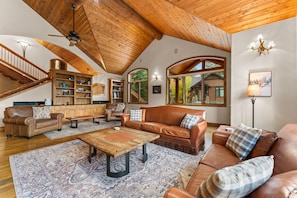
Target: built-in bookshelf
column 116, row 90
column 69, row 88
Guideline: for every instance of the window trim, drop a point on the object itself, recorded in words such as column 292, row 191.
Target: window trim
column 137, row 81
column 202, row 71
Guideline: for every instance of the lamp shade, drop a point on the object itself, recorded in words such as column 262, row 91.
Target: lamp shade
column 253, row 90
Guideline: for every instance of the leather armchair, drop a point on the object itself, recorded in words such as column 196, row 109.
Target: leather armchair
column 114, row 111
column 19, row 121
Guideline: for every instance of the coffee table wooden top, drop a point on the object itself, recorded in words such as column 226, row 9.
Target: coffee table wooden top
column 118, row 142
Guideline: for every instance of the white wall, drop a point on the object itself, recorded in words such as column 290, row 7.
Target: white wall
column 273, row 112
column 162, row 53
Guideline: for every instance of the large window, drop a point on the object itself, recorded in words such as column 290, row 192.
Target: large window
column 197, row 81
column 138, row 86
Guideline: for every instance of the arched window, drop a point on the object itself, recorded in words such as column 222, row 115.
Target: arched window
column 197, row 81
column 138, row 86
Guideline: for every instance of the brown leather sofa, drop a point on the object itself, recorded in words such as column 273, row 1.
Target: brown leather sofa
column 19, row 121
column 165, row 121
column 283, row 182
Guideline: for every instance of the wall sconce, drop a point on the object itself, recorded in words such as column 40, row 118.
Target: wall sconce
column 155, row 76
column 261, row 48
column 24, row 46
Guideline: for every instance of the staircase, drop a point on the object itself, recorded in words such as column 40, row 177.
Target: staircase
column 18, row 68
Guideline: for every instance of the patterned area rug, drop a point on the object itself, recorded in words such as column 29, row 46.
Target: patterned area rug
column 83, row 127
column 63, row 171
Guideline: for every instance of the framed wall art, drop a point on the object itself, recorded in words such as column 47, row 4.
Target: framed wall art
column 263, row 80
column 156, row 89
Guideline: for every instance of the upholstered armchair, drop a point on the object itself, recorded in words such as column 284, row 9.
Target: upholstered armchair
column 29, row 121
column 114, row 111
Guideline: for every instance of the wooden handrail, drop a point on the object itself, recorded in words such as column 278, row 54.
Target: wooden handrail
column 20, row 64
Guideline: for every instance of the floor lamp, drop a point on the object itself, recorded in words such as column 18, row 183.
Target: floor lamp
column 252, row 91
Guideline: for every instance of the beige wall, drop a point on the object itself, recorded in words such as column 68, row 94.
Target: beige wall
column 273, row 112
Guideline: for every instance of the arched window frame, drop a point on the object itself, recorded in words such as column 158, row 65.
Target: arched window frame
column 141, row 84
column 180, row 92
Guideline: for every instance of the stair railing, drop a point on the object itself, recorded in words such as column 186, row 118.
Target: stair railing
column 20, row 64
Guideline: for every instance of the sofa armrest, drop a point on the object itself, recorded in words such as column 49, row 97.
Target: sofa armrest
column 125, row 118
column 20, row 120
column 176, row 192
column 197, row 131
column 220, row 137
column 58, row 116
column 281, row 186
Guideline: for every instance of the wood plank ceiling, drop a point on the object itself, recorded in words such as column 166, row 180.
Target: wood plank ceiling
column 115, row 32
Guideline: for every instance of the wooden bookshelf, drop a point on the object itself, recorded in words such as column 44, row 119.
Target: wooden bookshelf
column 116, row 90
column 70, row 88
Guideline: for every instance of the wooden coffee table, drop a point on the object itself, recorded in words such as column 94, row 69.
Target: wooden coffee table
column 116, row 143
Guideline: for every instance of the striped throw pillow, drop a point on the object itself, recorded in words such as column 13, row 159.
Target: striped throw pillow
column 136, row 115
column 239, row 180
column 189, row 121
column 243, row 140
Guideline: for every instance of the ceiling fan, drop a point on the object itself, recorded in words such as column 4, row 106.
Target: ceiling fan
column 73, row 36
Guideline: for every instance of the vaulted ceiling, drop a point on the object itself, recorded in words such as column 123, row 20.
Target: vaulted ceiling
column 115, row 32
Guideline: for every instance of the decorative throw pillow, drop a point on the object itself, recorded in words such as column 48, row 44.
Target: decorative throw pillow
column 136, row 115
column 120, row 107
column 189, row 121
column 264, row 143
column 41, row 112
column 238, row 180
column 243, row 140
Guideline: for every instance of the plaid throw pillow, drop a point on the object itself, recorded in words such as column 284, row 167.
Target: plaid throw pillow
column 41, row 112
column 136, row 115
column 189, row 121
column 238, row 180
column 243, row 140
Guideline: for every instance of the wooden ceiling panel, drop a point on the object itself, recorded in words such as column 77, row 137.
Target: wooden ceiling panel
column 115, row 32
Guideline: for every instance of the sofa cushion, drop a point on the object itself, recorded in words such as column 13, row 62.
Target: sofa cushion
column 218, row 157
column 238, row 180
column 264, row 143
column 136, row 115
column 41, row 123
column 176, row 131
column 281, row 186
column 120, row 107
column 154, row 127
column 243, row 140
column 133, row 124
column 41, row 112
column 189, row 121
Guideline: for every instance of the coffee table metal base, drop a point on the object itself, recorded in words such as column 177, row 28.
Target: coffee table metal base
column 93, row 152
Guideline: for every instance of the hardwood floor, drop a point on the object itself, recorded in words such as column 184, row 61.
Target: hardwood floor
column 15, row 145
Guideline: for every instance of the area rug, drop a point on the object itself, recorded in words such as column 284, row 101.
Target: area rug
column 83, row 127
column 63, row 170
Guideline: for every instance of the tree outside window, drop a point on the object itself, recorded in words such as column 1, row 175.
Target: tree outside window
column 138, row 86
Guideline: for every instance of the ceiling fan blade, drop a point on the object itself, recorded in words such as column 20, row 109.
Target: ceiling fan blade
column 55, row 35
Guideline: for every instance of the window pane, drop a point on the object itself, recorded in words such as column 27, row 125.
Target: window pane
column 133, row 92
column 143, row 92
column 214, row 88
column 172, row 91
column 193, row 88
column 210, row 65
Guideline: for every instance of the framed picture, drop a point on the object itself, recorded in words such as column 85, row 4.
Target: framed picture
column 263, row 80
column 156, row 89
